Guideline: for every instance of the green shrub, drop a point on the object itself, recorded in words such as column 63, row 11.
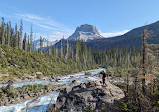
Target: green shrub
column 2, row 95
column 88, row 110
column 157, row 103
column 128, row 108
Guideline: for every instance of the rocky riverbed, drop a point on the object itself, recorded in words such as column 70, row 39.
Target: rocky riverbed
column 44, row 100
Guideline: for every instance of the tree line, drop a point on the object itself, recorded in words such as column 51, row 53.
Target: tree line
column 15, row 37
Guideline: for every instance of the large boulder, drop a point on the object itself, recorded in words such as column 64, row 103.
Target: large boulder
column 39, row 73
column 91, row 94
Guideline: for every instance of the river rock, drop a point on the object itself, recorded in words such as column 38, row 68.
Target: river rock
column 30, row 77
column 52, row 77
column 91, row 94
column 74, row 82
column 71, row 77
column 16, row 79
column 39, row 73
column 57, row 78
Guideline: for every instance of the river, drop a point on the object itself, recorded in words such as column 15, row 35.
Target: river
column 41, row 104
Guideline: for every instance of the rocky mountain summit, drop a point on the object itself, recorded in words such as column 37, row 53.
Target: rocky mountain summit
column 89, row 95
column 85, row 32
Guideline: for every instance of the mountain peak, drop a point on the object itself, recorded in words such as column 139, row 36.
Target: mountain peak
column 85, row 32
column 87, row 28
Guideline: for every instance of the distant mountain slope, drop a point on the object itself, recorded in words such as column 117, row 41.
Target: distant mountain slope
column 130, row 39
column 37, row 43
column 85, row 32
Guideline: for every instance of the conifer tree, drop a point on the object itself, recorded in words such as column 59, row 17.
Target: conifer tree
column 15, row 38
column 25, row 42
column 50, row 49
column 71, row 52
column 144, row 35
column 61, row 49
column 77, row 50
column 41, row 45
column 67, row 52
column 18, row 41
column 21, row 34
column 53, row 50
column 31, row 39
column 28, row 45
column 12, row 37
column 8, row 33
column 47, row 45
column 84, row 53
column 34, row 43
column 3, row 32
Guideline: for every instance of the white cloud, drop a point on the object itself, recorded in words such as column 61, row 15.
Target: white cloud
column 29, row 17
column 112, row 34
column 55, row 35
column 47, row 27
column 55, row 29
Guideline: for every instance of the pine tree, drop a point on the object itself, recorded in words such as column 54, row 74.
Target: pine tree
column 12, row 38
column 31, row 39
column 34, row 42
column 47, row 44
column 67, row 52
column 8, row 33
column 25, row 42
column 41, row 45
column 61, row 49
column 77, row 50
column 21, row 34
column 71, row 52
column 84, row 52
column 28, row 45
column 15, row 38
column 3, row 32
column 144, row 35
column 18, row 42
column 54, row 51
column 127, row 76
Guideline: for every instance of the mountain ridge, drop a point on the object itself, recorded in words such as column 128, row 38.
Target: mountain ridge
column 127, row 40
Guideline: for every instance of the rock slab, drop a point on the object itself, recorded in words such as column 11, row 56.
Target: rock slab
column 91, row 94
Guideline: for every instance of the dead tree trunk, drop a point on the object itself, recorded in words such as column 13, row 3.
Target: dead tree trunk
column 143, row 59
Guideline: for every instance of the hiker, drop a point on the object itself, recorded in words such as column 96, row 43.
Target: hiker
column 103, row 76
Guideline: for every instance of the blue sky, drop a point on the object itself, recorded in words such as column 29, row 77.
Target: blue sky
column 56, row 18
